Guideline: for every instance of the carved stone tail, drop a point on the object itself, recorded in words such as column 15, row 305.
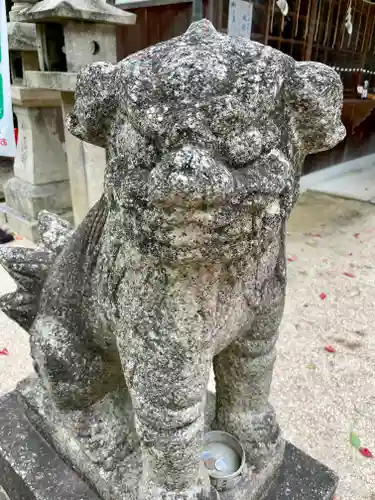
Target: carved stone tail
column 29, row 268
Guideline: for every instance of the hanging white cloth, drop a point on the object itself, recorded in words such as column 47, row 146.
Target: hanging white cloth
column 349, row 20
column 283, row 6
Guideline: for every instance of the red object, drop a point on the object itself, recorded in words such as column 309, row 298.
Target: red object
column 292, row 258
column 322, row 296
column 4, row 352
column 16, row 135
column 349, row 275
column 366, row 452
column 329, row 348
column 356, row 235
column 316, row 235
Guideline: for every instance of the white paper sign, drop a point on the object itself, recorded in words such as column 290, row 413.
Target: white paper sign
column 7, row 140
column 240, row 18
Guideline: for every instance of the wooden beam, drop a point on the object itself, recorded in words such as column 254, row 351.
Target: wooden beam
column 219, row 14
column 311, row 29
column 270, row 6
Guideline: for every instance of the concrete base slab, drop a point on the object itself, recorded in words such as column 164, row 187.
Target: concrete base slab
column 354, row 180
column 17, row 223
column 30, row 469
column 303, row 478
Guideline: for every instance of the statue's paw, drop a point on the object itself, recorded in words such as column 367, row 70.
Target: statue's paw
column 257, row 431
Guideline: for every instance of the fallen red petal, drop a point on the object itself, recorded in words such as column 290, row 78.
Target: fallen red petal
column 349, row 275
column 329, row 348
column 4, row 352
column 292, row 258
column 366, row 452
column 322, row 296
column 356, row 235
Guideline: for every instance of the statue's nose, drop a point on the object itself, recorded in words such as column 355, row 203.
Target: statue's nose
column 189, row 175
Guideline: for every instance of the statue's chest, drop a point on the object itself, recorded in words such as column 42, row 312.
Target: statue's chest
column 210, row 304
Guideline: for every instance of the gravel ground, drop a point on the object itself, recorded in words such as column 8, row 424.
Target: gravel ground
column 17, row 365
column 320, row 397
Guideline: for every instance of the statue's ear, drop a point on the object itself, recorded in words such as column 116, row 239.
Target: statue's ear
column 315, row 97
column 95, row 103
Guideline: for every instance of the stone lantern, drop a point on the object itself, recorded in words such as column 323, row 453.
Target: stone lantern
column 41, row 178
column 69, row 36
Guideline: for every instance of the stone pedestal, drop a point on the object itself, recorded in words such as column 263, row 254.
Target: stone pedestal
column 85, row 33
column 41, row 178
column 31, row 469
column 86, row 165
column 85, row 162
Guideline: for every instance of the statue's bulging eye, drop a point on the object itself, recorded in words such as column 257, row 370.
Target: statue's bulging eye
column 243, row 148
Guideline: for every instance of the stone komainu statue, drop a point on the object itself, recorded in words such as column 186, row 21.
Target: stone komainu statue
column 181, row 263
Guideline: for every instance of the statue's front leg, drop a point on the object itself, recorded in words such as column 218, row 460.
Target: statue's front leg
column 243, row 375
column 168, row 382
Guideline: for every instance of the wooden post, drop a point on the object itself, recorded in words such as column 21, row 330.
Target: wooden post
column 219, row 14
column 197, row 10
column 270, row 6
column 311, row 29
column 211, row 11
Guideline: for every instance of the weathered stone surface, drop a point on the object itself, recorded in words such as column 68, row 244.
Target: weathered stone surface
column 97, row 42
column 22, row 450
column 97, row 11
column 23, row 226
column 86, row 164
column 30, row 469
column 41, row 173
column 34, row 162
column 6, row 173
column 54, row 232
column 30, row 199
column 29, row 268
column 303, row 478
column 182, row 260
column 18, row 224
column 35, row 98
column 22, row 37
column 54, row 80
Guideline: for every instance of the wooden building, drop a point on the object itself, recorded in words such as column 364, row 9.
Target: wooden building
column 312, row 30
